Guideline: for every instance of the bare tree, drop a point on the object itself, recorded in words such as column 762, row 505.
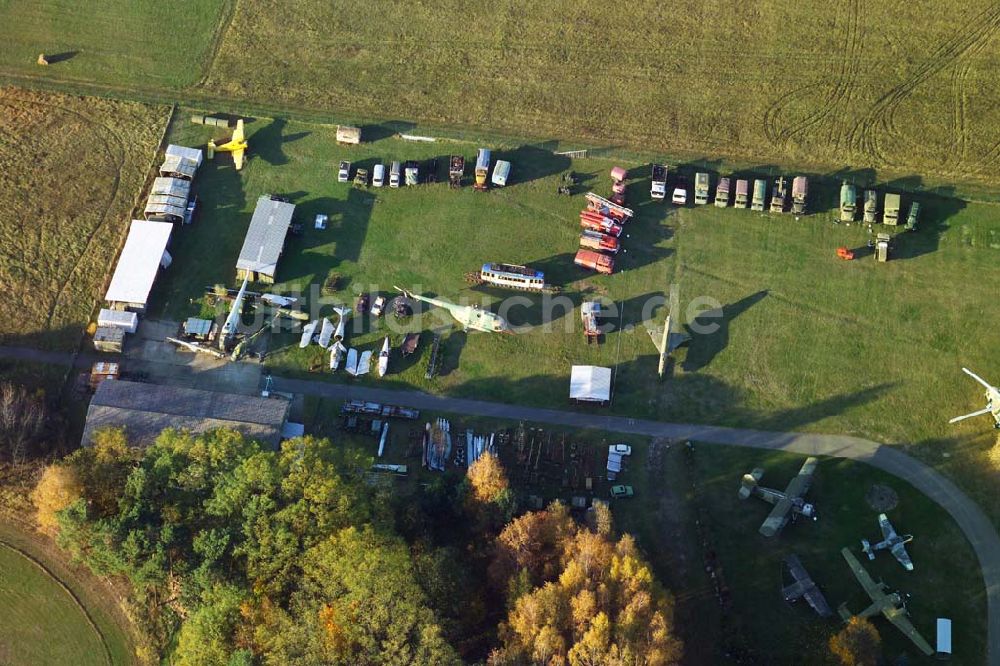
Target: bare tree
column 22, row 421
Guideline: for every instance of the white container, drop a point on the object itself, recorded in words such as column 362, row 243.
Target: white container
column 129, row 321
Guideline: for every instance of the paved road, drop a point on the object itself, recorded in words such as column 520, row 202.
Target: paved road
column 973, row 522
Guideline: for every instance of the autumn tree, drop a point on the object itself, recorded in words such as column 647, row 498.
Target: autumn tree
column 857, row 644
column 59, row 487
column 488, row 497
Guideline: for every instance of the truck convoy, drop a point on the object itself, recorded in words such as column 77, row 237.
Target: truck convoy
column 482, row 169
column 891, row 214
column 848, row 202
column 800, row 191
column 871, row 206
column 701, row 188
column 658, row 184
column 722, row 193
column 742, row 189
column 595, row 261
column 759, row 195
column 779, row 196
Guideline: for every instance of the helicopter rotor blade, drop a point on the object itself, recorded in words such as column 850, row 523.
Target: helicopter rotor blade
column 977, row 378
column 985, row 410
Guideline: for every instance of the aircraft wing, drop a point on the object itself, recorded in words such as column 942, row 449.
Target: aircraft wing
column 238, row 134
column 871, row 587
column 899, row 552
column 238, row 158
column 883, row 522
column 799, row 486
column 778, row 517
column 903, row 624
column 804, row 586
column 969, row 416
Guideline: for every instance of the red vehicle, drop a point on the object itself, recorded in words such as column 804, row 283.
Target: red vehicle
column 598, row 222
column 599, row 204
column 595, row 240
column 595, row 261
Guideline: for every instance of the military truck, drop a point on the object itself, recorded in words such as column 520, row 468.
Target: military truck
column 701, row 188
column 871, row 206
column 742, row 189
column 883, row 244
column 891, row 214
column 911, row 219
column 779, row 196
column 848, row 202
column 759, row 195
column 482, row 169
column 658, row 183
column 800, row 191
column 722, row 193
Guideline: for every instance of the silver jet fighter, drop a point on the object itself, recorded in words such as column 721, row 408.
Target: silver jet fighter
column 992, row 401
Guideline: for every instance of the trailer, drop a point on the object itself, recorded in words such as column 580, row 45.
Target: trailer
column 595, row 261
column 658, row 183
column 871, row 206
column 595, row 240
column 349, row 135
column 800, row 191
column 759, row 195
column 722, row 193
column 779, row 196
column 701, row 187
column 848, row 202
column 742, row 190
column 456, row 169
column 482, row 169
column 892, row 205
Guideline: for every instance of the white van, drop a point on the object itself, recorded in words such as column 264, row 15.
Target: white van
column 394, row 175
column 501, row 172
column 378, row 176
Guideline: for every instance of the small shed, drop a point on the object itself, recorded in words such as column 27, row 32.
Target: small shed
column 264, row 241
column 165, row 208
column 199, row 329
column 127, row 321
column 174, row 187
column 181, row 162
column 109, row 339
column 144, row 253
column 590, row 384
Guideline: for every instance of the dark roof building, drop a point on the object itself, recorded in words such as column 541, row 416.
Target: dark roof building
column 144, row 410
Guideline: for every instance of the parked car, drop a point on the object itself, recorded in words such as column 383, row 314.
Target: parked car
column 680, row 197
column 394, row 174
column 378, row 307
column 344, row 174
column 378, row 175
column 618, row 492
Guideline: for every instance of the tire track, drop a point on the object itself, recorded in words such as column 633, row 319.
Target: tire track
column 880, row 119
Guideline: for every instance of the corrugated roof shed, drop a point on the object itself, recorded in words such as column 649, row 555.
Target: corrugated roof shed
column 165, row 205
column 265, row 238
column 181, row 162
column 175, row 187
column 145, row 410
column 140, row 259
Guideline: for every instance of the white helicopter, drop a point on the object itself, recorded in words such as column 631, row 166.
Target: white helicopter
column 992, row 401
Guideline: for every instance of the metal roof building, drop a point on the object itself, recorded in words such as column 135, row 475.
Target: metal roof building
column 144, row 410
column 181, row 162
column 265, row 240
column 144, row 252
column 165, row 208
column 174, row 187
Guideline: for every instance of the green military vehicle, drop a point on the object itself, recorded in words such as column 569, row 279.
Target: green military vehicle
column 848, row 202
column 871, row 206
column 911, row 219
column 892, row 205
column 759, row 195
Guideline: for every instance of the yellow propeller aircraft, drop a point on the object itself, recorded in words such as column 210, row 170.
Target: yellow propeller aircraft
column 237, row 145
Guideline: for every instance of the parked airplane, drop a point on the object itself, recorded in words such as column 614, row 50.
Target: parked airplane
column 891, row 541
column 236, row 145
column 383, row 358
column 804, row 587
column 891, row 605
column 788, row 504
column 667, row 341
column 469, row 316
column 992, row 401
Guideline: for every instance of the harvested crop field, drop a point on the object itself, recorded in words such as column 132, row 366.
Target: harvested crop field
column 71, row 169
column 899, row 85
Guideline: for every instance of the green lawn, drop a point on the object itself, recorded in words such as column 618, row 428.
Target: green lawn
column 42, row 623
column 119, row 42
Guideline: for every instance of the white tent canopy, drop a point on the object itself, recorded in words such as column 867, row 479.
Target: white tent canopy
column 590, row 383
column 144, row 252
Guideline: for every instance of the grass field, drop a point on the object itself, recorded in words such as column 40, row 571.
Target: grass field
column 895, row 85
column 70, row 171
column 674, row 489
column 120, row 42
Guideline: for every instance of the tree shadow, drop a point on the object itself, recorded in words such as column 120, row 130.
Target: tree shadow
column 704, row 347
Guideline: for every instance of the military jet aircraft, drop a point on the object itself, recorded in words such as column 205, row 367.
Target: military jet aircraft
column 804, row 587
column 891, row 605
column 891, row 541
column 787, row 505
column 667, row 341
column 236, row 145
column 470, row 317
column 992, row 401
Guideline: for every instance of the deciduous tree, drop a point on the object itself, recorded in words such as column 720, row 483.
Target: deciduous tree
column 59, row 487
column 857, row 644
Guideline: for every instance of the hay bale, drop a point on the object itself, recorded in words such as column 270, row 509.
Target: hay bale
column 42, row 60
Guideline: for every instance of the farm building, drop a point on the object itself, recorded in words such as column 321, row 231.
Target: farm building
column 265, row 240
column 590, row 384
column 144, row 410
column 181, row 162
column 144, row 253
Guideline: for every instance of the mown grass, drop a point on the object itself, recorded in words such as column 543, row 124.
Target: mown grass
column 71, row 169
column 123, row 42
column 896, row 84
